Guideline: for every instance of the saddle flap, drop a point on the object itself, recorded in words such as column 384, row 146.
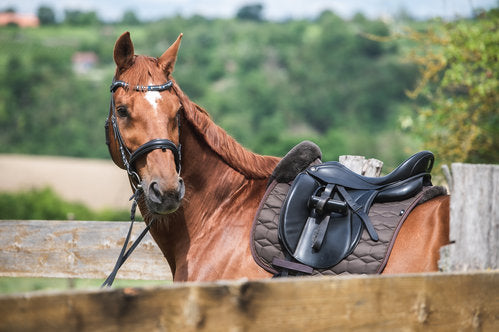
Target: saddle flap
column 320, row 240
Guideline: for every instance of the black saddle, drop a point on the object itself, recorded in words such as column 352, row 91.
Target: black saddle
column 327, row 207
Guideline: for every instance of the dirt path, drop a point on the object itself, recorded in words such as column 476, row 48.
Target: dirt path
column 96, row 183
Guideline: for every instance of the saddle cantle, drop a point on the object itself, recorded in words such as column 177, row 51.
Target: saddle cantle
column 287, row 238
column 327, row 207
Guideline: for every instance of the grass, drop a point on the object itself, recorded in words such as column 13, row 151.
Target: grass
column 11, row 285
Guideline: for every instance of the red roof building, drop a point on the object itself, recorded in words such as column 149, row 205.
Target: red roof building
column 21, row 20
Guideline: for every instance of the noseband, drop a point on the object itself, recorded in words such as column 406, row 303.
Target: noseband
column 164, row 144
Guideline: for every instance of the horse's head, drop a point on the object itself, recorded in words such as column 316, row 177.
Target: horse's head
column 143, row 128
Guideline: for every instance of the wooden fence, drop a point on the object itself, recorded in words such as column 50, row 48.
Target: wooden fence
column 450, row 301
column 424, row 302
column 76, row 249
column 474, row 219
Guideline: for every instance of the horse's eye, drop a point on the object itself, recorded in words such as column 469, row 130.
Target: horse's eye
column 122, row 111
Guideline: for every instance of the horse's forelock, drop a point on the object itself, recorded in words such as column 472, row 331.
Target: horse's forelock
column 143, row 70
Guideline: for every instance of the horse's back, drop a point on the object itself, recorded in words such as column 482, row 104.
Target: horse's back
column 417, row 247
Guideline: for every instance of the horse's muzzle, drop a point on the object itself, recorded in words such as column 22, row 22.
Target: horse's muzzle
column 163, row 201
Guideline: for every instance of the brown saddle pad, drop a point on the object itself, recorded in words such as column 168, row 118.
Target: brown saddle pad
column 368, row 257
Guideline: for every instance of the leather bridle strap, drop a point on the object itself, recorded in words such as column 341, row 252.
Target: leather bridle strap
column 124, row 254
column 121, row 84
column 158, row 143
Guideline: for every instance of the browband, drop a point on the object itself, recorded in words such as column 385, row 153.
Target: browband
column 142, row 88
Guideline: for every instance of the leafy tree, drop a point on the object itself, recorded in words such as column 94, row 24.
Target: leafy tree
column 78, row 17
column 252, row 12
column 46, row 15
column 130, row 18
column 460, row 79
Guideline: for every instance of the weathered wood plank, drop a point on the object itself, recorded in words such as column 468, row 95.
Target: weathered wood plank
column 359, row 164
column 76, row 249
column 474, row 219
column 419, row 302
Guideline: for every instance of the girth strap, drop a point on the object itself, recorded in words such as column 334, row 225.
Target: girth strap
column 357, row 209
column 319, row 209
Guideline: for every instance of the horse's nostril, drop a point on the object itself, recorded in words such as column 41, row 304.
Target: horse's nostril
column 155, row 193
column 161, row 200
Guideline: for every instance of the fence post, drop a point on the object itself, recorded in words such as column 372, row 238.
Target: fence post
column 360, row 165
column 474, row 219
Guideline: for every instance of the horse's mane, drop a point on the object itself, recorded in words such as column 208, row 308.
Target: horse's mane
column 251, row 165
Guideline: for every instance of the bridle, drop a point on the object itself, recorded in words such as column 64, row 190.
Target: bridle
column 129, row 158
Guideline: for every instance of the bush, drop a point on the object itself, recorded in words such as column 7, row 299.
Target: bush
column 45, row 204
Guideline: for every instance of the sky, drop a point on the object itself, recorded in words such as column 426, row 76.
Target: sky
column 111, row 10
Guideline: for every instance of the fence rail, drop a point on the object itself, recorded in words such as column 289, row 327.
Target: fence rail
column 422, row 302
column 75, row 249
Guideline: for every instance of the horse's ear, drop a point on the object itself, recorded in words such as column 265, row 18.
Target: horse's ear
column 123, row 51
column 167, row 60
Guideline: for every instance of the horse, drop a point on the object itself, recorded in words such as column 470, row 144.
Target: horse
column 200, row 189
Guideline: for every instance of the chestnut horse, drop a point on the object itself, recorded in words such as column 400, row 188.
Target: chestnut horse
column 201, row 206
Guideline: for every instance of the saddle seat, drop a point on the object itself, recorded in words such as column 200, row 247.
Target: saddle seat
column 394, row 186
column 327, row 206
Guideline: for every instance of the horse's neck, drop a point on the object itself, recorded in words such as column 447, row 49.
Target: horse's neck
column 209, row 180
column 216, row 212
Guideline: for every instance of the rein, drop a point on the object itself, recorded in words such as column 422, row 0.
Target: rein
column 129, row 158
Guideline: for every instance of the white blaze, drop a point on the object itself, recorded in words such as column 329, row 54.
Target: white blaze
column 152, row 97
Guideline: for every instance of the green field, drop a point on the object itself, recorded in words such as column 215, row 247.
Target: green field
column 21, row 285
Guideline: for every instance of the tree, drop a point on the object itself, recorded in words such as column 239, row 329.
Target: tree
column 460, row 79
column 130, row 18
column 77, row 17
column 252, row 12
column 46, row 15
